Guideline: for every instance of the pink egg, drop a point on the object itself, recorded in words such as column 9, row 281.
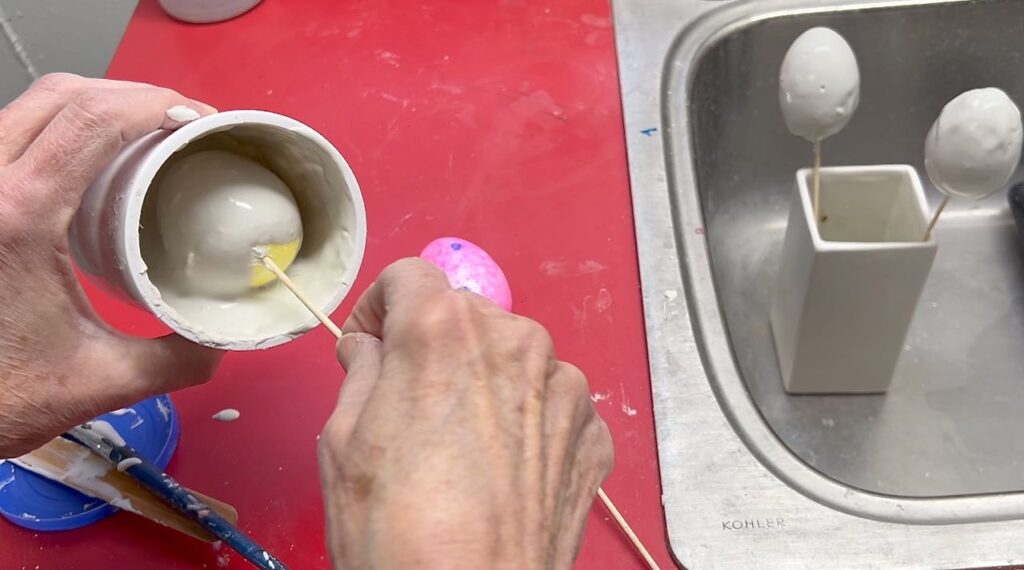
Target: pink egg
column 469, row 267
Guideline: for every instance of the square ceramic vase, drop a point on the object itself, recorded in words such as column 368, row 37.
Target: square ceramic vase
column 847, row 287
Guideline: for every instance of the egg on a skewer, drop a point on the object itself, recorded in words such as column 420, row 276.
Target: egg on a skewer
column 973, row 147
column 819, row 84
column 819, row 90
column 219, row 213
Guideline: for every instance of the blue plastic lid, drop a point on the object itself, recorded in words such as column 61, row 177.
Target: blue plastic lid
column 32, row 501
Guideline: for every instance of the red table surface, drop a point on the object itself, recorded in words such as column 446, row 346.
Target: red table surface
column 497, row 122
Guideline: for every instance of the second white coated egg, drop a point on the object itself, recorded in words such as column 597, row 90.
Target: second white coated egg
column 974, row 145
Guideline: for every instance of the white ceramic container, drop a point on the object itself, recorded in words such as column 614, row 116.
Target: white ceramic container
column 115, row 236
column 847, row 288
column 207, row 11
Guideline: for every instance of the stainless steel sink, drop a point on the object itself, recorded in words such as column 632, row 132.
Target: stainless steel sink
column 930, row 475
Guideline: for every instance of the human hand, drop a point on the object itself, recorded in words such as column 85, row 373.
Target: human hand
column 59, row 363
column 459, row 440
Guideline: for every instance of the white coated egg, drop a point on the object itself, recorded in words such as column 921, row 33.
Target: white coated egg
column 819, row 84
column 213, row 208
column 974, row 146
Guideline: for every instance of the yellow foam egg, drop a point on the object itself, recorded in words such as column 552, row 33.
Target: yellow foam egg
column 282, row 254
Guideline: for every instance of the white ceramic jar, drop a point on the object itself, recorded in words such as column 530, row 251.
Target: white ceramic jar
column 115, row 235
column 847, row 289
column 207, row 11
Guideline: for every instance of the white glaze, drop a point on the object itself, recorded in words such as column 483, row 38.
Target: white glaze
column 122, row 503
column 263, row 310
column 8, row 481
column 213, row 208
column 105, row 430
column 974, row 145
column 129, row 462
column 164, row 410
column 227, row 415
column 819, row 84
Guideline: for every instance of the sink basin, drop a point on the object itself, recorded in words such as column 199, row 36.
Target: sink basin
column 953, row 422
column 929, row 475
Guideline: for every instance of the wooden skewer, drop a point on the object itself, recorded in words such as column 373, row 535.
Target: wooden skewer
column 627, row 530
column 935, row 218
column 273, row 268
column 817, row 181
column 283, row 278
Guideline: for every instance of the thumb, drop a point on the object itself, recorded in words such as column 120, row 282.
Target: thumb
column 360, row 355
column 119, row 371
column 168, row 363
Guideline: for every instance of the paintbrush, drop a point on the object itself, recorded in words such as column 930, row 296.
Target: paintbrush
column 70, row 464
column 104, row 441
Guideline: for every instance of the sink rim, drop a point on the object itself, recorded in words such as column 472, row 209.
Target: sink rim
column 709, row 473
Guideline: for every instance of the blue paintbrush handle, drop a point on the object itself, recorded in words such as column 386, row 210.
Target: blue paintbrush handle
column 177, row 496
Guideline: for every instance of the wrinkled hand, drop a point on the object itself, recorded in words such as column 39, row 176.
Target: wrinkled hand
column 59, row 364
column 459, row 440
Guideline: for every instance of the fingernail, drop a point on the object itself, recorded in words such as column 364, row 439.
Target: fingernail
column 182, row 114
column 349, row 346
column 346, row 349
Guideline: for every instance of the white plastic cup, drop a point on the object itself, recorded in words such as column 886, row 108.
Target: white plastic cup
column 114, row 236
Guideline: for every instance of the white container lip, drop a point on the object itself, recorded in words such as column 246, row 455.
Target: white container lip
column 148, row 293
column 200, row 12
column 822, row 244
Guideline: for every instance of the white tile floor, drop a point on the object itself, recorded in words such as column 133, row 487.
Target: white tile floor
column 77, row 36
